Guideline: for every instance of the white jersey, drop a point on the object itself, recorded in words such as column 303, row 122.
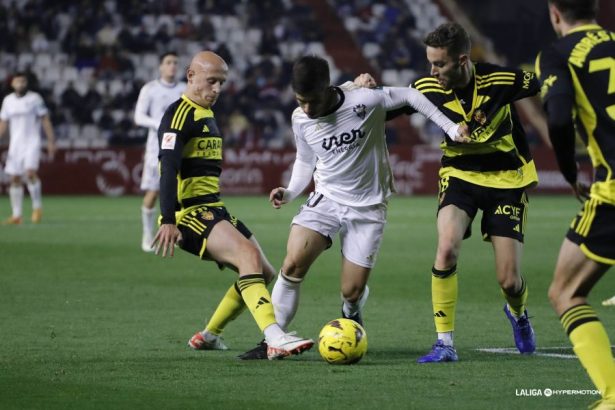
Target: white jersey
column 154, row 98
column 24, row 117
column 348, row 148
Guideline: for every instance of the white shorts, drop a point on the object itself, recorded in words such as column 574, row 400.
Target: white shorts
column 360, row 227
column 150, row 178
column 22, row 158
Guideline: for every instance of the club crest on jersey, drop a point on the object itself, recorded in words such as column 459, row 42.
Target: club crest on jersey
column 360, row 110
column 345, row 138
column 480, row 117
column 207, row 215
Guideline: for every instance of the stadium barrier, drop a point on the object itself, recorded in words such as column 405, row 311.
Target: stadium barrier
column 117, row 171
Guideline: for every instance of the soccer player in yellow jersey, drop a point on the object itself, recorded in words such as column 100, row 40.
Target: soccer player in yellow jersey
column 193, row 215
column 491, row 173
column 578, row 77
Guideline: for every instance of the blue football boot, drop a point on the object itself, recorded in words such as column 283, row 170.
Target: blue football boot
column 439, row 353
column 525, row 340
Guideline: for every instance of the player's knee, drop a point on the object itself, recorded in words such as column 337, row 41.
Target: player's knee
column 556, row 295
column 447, row 255
column 293, row 268
column 511, row 284
column 249, row 257
column 352, row 291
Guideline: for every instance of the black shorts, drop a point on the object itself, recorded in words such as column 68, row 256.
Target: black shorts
column 504, row 210
column 196, row 225
column 593, row 229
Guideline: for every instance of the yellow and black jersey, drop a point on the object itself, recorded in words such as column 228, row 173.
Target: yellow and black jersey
column 580, row 67
column 190, row 158
column 500, row 156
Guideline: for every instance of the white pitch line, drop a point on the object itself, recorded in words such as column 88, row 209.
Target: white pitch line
column 510, row 350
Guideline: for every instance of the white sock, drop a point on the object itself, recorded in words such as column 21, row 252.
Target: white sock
column 16, row 194
column 273, row 332
column 352, row 308
column 34, row 188
column 148, row 220
column 285, row 299
column 446, row 337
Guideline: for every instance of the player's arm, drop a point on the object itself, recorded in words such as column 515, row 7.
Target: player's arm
column 301, row 175
column 398, row 97
column 50, row 134
column 142, row 117
column 558, row 99
column 170, row 142
column 525, row 84
column 366, row 80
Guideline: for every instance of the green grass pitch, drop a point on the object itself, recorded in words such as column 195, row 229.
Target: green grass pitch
column 90, row 321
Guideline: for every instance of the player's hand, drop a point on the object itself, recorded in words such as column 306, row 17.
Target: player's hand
column 166, row 238
column 276, row 197
column 463, row 134
column 51, row 149
column 581, row 191
column 365, row 80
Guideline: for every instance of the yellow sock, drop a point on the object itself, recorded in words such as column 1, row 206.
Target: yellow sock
column 257, row 299
column 444, row 298
column 592, row 346
column 516, row 302
column 228, row 309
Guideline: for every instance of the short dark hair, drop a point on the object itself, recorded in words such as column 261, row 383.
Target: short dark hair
column 574, row 10
column 452, row 37
column 310, row 73
column 165, row 55
column 20, row 74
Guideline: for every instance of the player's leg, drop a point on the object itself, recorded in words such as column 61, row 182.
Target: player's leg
column 227, row 245
column 148, row 220
column 585, row 255
column 452, row 223
column 503, row 223
column 303, row 247
column 229, row 308
column 575, row 275
column 514, row 289
column 15, row 169
column 354, row 290
column 33, row 182
column 150, row 183
column 16, row 197
column 360, row 236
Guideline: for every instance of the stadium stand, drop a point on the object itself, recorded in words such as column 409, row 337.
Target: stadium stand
column 89, row 59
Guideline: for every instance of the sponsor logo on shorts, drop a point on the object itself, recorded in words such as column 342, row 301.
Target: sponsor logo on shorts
column 514, row 212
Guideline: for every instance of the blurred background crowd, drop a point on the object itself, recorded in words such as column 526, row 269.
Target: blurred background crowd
column 90, row 58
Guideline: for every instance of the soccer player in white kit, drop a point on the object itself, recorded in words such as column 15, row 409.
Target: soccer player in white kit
column 154, row 98
column 339, row 133
column 23, row 112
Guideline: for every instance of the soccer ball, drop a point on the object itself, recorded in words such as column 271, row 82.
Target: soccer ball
column 342, row 341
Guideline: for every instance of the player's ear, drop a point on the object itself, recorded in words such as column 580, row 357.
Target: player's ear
column 463, row 60
column 189, row 74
